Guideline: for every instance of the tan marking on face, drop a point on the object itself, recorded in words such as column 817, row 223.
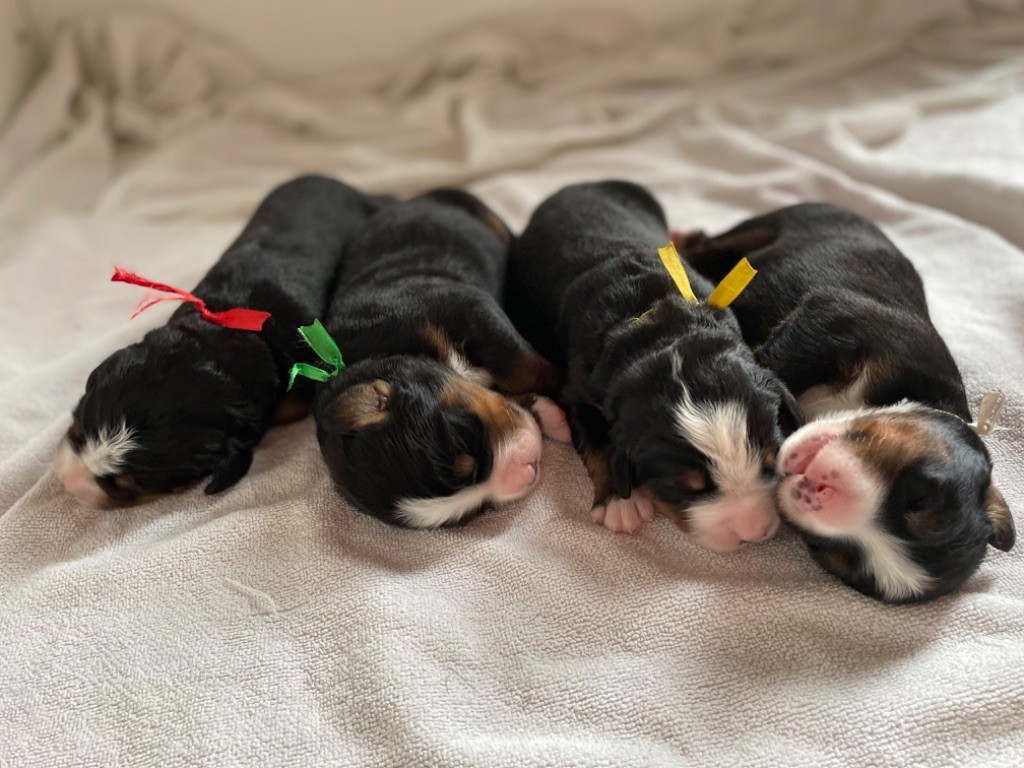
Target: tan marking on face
column 769, row 456
column 923, row 521
column 672, row 512
column 694, row 480
column 891, row 443
column 499, row 415
column 364, row 405
column 463, row 465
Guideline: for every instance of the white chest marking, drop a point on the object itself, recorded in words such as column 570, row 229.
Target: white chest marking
column 824, row 399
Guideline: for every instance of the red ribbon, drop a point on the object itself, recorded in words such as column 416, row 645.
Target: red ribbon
column 238, row 318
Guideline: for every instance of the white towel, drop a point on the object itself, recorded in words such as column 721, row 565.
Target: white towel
column 272, row 625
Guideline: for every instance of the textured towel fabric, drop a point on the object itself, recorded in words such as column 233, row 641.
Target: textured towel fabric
column 274, row 626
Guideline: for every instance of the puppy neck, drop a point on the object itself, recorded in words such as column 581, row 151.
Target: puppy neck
column 668, row 323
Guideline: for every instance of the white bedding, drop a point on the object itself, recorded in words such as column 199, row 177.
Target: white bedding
column 274, row 626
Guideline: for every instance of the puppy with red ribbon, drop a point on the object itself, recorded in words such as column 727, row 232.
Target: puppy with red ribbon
column 191, row 400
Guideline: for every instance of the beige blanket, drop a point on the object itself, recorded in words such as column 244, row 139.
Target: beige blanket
column 274, row 626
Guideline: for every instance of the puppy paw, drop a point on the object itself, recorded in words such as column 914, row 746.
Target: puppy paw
column 552, row 420
column 623, row 515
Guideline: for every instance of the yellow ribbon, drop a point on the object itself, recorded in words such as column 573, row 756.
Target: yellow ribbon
column 670, row 258
column 732, row 285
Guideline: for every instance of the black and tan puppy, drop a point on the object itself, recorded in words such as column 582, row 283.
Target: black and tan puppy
column 668, row 407
column 888, row 485
column 192, row 399
column 410, row 430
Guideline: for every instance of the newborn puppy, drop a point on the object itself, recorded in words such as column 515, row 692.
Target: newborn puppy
column 668, row 407
column 192, row 399
column 889, row 486
column 410, row 431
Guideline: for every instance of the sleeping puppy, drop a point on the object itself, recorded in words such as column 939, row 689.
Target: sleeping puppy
column 192, row 399
column 888, row 486
column 410, row 430
column 669, row 410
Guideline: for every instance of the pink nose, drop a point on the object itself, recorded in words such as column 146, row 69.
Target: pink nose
column 517, row 468
column 77, row 479
column 756, row 529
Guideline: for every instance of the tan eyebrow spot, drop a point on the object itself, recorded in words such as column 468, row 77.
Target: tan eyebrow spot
column 694, row 480
column 923, row 521
column 463, row 465
column 361, row 406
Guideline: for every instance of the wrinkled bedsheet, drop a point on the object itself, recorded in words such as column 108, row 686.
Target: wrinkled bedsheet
column 272, row 625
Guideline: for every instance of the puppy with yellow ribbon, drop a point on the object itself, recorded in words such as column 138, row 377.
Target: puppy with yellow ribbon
column 669, row 409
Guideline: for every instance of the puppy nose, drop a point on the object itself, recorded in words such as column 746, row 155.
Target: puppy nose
column 767, row 533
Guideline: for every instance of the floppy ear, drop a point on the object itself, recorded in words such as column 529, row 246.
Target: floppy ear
column 232, row 469
column 791, row 417
column 361, row 406
column 622, row 473
column 1004, row 534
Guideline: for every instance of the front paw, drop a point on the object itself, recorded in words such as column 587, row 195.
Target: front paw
column 551, row 419
column 623, row 515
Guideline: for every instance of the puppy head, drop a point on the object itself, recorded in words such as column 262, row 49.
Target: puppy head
column 158, row 416
column 414, row 443
column 897, row 502
column 697, row 432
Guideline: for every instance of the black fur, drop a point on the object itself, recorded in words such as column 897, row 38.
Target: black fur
column 197, row 396
column 858, row 298
column 420, row 281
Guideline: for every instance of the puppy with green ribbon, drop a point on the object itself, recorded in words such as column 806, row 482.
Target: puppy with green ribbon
column 436, row 411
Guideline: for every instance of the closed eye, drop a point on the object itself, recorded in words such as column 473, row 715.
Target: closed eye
column 919, row 503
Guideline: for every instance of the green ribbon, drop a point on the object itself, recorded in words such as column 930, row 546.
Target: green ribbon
column 319, row 341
